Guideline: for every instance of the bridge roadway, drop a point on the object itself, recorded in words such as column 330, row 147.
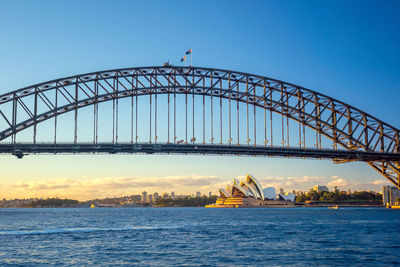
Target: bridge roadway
column 21, row 149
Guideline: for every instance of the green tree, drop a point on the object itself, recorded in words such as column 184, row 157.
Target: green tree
column 313, row 195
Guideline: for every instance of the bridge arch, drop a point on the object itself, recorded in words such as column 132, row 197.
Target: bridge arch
column 349, row 128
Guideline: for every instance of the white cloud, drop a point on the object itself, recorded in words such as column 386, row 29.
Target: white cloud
column 291, row 182
column 340, row 182
column 85, row 188
column 380, row 182
column 114, row 186
column 21, row 184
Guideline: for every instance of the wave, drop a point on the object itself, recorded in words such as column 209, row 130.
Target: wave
column 82, row 230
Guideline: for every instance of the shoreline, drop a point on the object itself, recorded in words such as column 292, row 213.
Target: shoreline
column 269, row 206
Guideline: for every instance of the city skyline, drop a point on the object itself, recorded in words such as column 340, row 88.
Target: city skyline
column 190, row 185
column 299, row 42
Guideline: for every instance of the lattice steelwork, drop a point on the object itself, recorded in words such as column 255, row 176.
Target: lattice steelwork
column 354, row 134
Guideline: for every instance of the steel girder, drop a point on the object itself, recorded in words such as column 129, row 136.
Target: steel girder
column 22, row 149
column 348, row 127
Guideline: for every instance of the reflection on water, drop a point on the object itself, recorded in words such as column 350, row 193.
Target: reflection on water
column 198, row 236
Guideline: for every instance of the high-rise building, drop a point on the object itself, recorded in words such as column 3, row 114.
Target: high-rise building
column 144, row 197
column 209, row 194
column 165, row 195
column 281, row 191
column 151, row 198
column 155, row 196
column 390, row 194
column 320, row 188
column 173, row 195
column 198, row 194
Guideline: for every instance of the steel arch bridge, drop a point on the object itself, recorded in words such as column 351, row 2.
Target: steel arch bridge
column 221, row 112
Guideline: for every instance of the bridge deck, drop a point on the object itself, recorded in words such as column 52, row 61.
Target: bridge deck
column 21, row 149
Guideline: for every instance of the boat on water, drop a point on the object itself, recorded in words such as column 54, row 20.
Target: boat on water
column 92, row 206
column 334, row 207
column 388, row 206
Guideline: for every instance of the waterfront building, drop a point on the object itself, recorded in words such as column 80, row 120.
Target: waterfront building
column 198, row 194
column 269, row 193
column 144, row 197
column 248, row 192
column 390, row 194
column 155, row 196
column 287, row 197
column 320, row 188
column 281, row 191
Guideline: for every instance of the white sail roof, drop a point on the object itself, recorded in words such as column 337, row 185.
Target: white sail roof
column 269, row 193
column 251, row 191
column 224, row 193
column 251, row 180
column 235, row 181
column 238, row 188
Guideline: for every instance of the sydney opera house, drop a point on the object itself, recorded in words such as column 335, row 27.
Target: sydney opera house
column 248, row 192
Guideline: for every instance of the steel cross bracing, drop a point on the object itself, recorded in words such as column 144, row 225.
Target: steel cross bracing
column 349, row 128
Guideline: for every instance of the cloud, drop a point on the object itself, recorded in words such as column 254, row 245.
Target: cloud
column 45, row 185
column 168, row 182
column 85, row 188
column 113, row 186
column 21, row 185
column 380, row 182
column 291, row 182
column 338, row 182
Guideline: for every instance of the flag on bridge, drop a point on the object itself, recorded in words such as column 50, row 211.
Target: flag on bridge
column 189, row 52
column 184, row 58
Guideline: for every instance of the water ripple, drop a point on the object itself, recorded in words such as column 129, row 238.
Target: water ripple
column 199, row 237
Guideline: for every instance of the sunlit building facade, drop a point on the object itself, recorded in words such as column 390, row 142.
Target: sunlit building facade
column 248, row 192
column 145, row 198
column 390, row 194
column 320, row 188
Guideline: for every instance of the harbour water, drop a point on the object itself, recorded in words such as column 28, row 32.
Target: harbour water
column 199, row 236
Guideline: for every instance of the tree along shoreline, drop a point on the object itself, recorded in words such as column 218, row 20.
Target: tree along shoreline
column 310, row 199
column 340, row 197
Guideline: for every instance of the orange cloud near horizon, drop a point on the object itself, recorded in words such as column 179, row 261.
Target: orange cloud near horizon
column 86, row 188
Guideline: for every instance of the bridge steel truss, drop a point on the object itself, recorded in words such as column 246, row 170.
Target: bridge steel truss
column 355, row 135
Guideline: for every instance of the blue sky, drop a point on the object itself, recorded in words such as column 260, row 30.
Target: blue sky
column 345, row 49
